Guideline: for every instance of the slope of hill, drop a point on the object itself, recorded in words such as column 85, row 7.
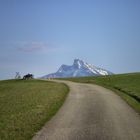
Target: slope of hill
column 78, row 69
column 126, row 85
column 25, row 106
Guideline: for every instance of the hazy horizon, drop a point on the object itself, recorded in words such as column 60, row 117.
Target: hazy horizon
column 39, row 36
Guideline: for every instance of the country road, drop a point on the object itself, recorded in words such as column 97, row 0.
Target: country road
column 91, row 112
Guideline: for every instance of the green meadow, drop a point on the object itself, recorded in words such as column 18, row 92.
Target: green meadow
column 26, row 105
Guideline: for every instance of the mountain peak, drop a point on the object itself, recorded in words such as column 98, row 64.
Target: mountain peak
column 78, row 69
column 78, row 63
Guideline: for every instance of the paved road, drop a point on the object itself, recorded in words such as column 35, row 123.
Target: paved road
column 91, row 112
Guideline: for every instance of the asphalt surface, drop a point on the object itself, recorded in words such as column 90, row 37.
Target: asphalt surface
column 91, row 112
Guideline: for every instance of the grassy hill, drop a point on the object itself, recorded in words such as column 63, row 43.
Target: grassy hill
column 126, row 85
column 25, row 106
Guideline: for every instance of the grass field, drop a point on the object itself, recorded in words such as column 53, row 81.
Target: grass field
column 126, row 85
column 25, row 106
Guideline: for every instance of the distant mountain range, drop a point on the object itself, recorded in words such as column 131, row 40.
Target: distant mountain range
column 78, row 69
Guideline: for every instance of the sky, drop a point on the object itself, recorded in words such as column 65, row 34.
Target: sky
column 37, row 36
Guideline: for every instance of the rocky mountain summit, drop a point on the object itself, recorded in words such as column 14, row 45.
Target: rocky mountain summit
column 78, row 69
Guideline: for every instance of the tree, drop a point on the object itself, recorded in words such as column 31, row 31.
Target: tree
column 28, row 76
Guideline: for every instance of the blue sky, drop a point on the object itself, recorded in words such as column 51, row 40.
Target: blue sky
column 37, row 36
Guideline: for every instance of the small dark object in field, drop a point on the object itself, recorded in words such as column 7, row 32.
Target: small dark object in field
column 17, row 75
column 28, row 76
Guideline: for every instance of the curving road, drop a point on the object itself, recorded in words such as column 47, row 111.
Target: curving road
column 91, row 112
